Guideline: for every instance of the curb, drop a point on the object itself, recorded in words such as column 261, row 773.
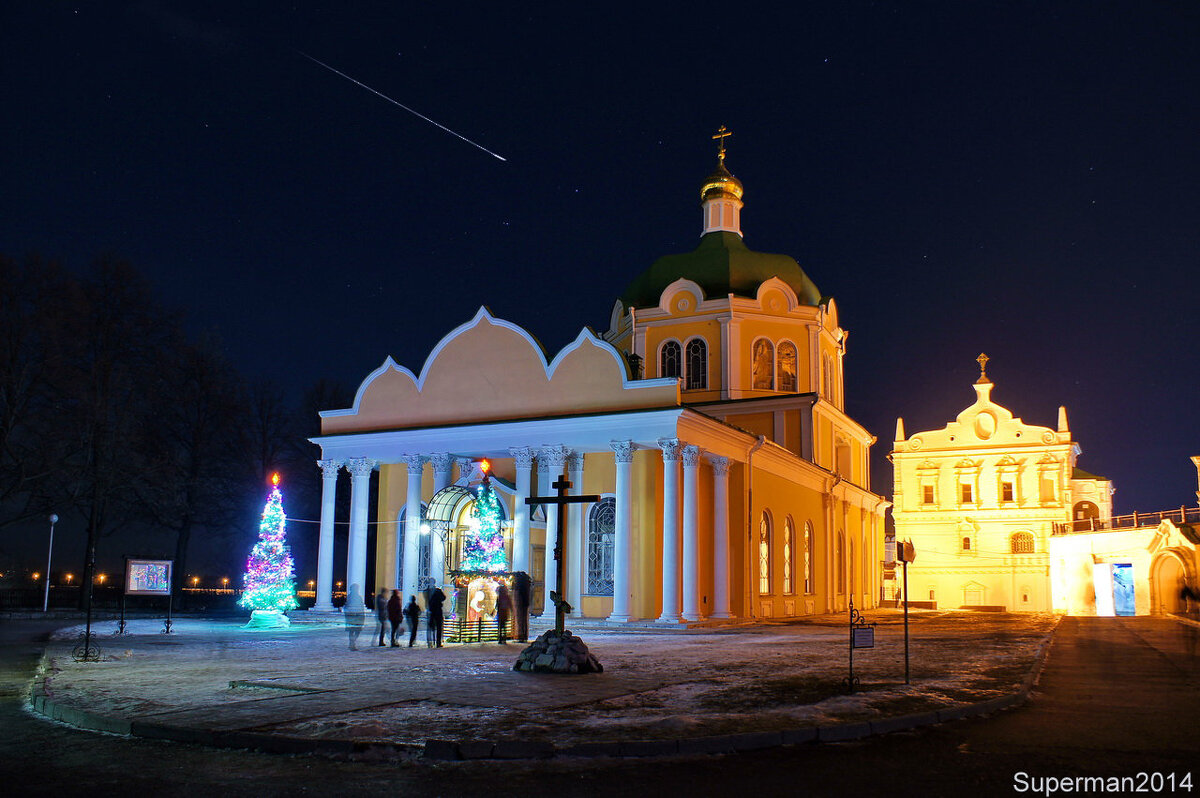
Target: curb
column 455, row 751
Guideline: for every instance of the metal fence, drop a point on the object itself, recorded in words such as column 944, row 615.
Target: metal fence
column 1184, row 515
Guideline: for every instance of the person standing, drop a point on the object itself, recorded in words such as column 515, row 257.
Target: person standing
column 413, row 613
column 355, row 614
column 394, row 615
column 522, row 594
column 436, row 615
column 504, row 608
column 381, row 613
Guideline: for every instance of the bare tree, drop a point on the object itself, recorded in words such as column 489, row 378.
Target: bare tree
column 30, row 324
column 108, row 385
column 198, row 477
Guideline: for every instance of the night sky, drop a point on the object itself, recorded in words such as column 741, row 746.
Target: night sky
column 1019, row 178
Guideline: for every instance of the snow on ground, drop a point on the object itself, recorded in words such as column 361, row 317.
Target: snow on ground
column 656, row 684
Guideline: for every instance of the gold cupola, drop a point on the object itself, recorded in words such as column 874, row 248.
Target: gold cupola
column 721, row 195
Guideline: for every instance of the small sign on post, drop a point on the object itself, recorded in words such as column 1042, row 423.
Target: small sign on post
column 862, row 635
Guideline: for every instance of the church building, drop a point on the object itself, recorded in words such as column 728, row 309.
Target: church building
column 980, row 498
column 1001, row 517
column 708, row 421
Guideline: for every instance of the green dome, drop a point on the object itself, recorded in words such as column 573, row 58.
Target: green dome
column 721, row 265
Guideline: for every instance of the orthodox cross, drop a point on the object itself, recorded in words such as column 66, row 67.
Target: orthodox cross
column 982, row 361
column 722, row 134
column 561, row 607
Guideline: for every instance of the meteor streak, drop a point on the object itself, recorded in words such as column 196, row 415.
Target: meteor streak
column 402, row 105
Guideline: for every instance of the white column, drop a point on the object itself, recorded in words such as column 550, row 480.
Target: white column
column 691, row 534
column 356, row 552
column 412, row 523
column 329, row 475
column 551, row 460
column 574, row 536
column 622, row 532
column 670, row 530
column 443, row 469
column 523, row 458
column 720, row 467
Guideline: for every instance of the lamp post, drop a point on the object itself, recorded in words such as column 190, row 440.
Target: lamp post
column 49, row 557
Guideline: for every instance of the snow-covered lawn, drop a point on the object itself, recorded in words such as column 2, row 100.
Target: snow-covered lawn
column 655, row 685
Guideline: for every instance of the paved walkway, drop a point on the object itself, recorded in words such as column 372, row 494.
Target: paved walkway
column 217, row 684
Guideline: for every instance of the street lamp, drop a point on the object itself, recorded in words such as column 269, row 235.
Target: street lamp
column 69, row 577
column 49, row 556
column 225, row 582
column 195, row 581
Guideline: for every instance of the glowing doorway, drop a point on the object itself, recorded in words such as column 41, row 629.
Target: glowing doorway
column 1122, row 588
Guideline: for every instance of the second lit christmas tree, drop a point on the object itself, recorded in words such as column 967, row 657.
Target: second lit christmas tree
column 483, row 549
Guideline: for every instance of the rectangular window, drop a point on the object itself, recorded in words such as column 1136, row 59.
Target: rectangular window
column 967, row 495
column 1006, row 491
column 927, row 494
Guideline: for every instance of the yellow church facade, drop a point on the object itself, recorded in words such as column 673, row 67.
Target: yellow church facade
column 981, row 500
column 708, row 420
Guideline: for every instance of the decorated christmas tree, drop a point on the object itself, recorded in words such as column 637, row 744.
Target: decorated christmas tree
column 270, row 585
column 483, row 548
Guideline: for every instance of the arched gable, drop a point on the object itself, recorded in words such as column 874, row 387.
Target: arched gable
column 491, row 369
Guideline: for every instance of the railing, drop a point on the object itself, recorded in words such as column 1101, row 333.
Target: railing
column 1184, row 515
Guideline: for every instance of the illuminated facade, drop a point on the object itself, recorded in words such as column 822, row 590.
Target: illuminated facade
column 980, row 498
column 709, row 418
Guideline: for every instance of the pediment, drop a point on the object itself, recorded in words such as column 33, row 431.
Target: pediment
column 491, row 369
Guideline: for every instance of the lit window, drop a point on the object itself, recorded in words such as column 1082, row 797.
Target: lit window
column 764, row 365
column 927, row 494
column 669, row 360
column 808, row 547
column 1006, row 491
column 1022, row 543
column 786, row 371
column 601, row 533
column 966, row 544
column 966, row 493
column 764, row 554
column 789, row 539
column 697, row 364
column 841, row 562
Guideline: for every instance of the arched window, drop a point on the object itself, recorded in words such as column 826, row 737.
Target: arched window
column 764, row 554
column 808, row 550
column 670, row 360
column 966, row 543
column 839, row 555
column 424, row 548
column 786, row 367
column 601, row 532
column 697, row 364
column 1022, row 543
column 764, row 364
column 789, row 546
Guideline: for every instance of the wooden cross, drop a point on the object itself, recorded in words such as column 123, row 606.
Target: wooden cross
column 561, row 607
column 722, row 134
column 982, row 361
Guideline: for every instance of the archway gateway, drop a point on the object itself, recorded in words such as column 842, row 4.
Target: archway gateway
column 1167, row 578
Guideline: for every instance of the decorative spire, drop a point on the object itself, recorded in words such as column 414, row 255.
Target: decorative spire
column 982, row 360
column 721, row 194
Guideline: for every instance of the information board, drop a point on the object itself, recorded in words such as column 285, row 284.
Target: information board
column 864, row 637
column 148, row 577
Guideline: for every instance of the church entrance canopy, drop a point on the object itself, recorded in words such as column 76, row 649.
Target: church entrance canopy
column 446, row 502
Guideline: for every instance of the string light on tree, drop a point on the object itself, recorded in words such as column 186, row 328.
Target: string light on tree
column 483, row 548
column 270, row 586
